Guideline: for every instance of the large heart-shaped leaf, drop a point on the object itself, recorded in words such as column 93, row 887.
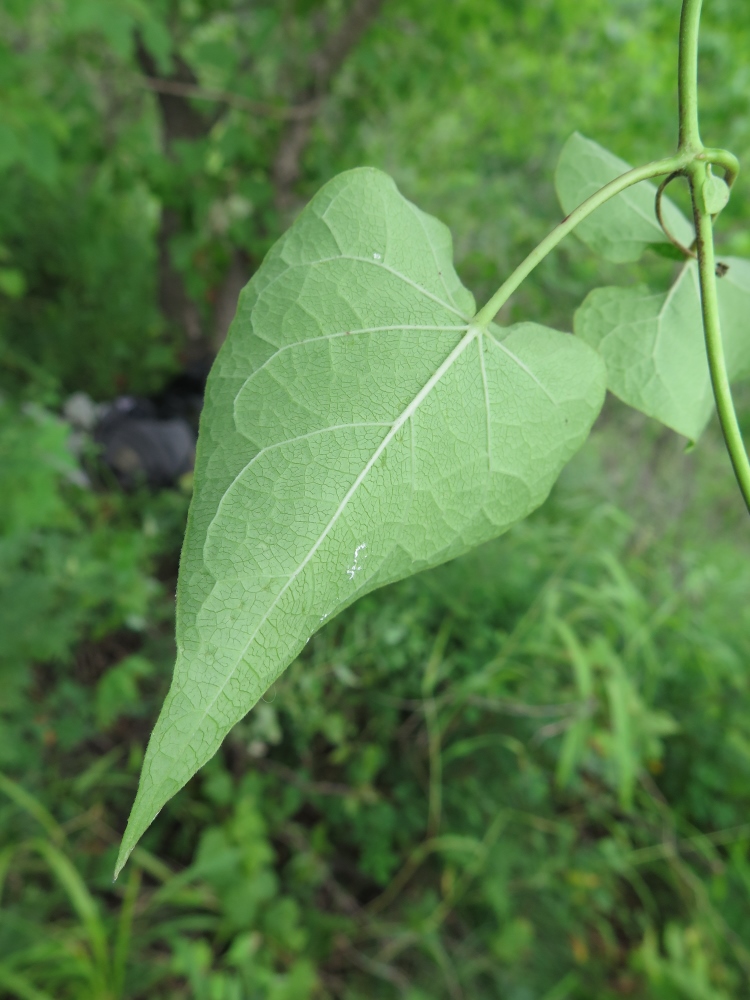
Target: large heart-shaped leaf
column 653, row 344
column 621, row 229
column 357, row 428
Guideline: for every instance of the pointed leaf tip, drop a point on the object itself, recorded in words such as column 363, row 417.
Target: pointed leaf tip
column 356, row 429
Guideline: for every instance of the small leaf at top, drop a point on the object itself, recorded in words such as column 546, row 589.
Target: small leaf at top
column 653, row 344
column 625, row 226
column 357, row 428
column 714, row 193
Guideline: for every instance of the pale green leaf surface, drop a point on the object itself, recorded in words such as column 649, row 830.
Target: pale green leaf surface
column 622, row 228
column 357, row 429
column 653, row 344
column 715, row 194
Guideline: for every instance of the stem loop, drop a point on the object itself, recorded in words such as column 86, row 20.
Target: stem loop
column 659, row 215
column 721, row 158
column 691, row 160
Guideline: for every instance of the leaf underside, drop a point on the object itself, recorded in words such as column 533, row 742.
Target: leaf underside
column 621, row 229
column 357, row 429
column 652, row 343
column 654, row 348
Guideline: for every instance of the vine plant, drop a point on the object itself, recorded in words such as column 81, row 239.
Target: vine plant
column 364, row 421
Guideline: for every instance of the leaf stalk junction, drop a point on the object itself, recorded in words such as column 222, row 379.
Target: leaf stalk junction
column 693, row 161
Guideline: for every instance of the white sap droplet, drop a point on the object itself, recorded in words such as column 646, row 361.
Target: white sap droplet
column 355, row 567
column 377, row 256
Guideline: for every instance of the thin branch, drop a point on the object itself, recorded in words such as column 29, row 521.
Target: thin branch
column 379, row 969
column 324, row 66
column 329, row 60
column 570, row 709
column 180, row 121
column 658, row 852
column 178, row 88
column 307, row 787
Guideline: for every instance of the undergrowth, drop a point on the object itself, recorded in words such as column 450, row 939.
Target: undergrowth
column 472, row 784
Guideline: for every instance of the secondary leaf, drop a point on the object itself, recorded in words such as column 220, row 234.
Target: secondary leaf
column 715, row 193
column 357, row 429
column 622, row 228
column 653, row 343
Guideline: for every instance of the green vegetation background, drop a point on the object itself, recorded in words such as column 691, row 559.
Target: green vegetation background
column 524, row 776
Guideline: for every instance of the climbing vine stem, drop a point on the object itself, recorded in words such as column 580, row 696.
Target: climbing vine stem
column 692, row 160
column 687, row 251
column 714, row 347
column 687, row 77
column 697, row 171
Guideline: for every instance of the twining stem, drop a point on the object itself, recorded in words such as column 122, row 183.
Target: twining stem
column 687, row 251
column 690, row 142
column 724, row 159
column 692, row 159
column 687, row 77
column 715, row 349
column 655, row 169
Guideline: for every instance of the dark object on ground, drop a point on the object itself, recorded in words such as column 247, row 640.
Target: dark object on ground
column 141, row 449
column 183, row 397
column 144, row 441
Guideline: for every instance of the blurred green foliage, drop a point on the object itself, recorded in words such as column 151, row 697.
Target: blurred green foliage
column 523, row 776
column 88, row 273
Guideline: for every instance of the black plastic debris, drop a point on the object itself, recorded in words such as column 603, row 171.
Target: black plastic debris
column 141, row 449
column 144, row 442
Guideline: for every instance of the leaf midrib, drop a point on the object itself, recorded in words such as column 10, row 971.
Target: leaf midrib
column 472, row 334
column 337, row 336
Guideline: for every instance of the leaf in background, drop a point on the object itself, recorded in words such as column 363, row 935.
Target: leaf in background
column 12, row 282
column 577, row 735
column 117, row 691
column 357, row 429
column 625, row 226
column 653, row 343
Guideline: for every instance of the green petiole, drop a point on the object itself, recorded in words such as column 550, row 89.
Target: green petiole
column 692, row 160
column 655, row 169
